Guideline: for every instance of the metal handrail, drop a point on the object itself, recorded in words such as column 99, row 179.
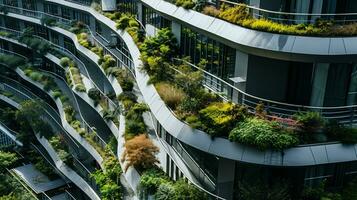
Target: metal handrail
column 38, row 14
column 84, row 121
column 197, row 185
column 66, row 50
column 267, row 102
column 42, row 103
column 77, row 105
column 13, row 132
column 87, row 27
column 52, row 165
column 70, row 195
column 292, row 17
column 23, row 185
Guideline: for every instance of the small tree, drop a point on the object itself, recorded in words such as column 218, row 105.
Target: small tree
column 140, row 153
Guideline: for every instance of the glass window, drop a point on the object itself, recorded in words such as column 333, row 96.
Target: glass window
column 29, row 4
column 128, row 6
column 220, row 58
column 51, row 9
column 154, row 19
column 66, row 13
column 11, row 3
column 11, row 23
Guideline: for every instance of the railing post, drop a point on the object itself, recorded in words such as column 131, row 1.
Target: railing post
column 351, row 115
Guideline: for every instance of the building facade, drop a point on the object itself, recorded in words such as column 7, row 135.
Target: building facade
column 287, row 73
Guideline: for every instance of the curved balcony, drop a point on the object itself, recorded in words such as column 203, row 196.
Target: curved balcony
column 344, row 114
column 273, row 45
column 64, row 169
column 294, row 17
column 296, row 156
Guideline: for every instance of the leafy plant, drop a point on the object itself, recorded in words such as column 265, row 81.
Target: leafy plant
column 7, row 159
column 309, row 120
column 187, row 4
column 218, row 118
column 94, row 94
column 156, row 51
column 263, row 134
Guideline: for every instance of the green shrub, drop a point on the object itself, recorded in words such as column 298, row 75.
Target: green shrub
column 151, row 179
column 234, row 14
column 127, row 96
column 170, row 94
column 65, row 61
column 263, row 134
column 342, row 133
column 184, row 190
column 194, row 122
column 80, row 88
column 187, row 4
column 94, row 94
column 123, row 22
column 56, row 94
column 309, row 120
column 219, row 118
column 165, row 192
column 156, row 52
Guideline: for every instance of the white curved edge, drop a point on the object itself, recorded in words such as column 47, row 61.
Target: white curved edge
column 72, row 175
column 296, row 156
column 90, row 149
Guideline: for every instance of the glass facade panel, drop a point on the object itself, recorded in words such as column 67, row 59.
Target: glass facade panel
column 11, row 3
column 128, row 6
column 66, row 13
column 337, row 84
column 51, row 9
column 220, row 58
column 29, row 4
column 154, row 19
column 12, row 23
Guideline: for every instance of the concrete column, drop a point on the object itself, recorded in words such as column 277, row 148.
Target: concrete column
column 320, row 76
column 240, row 74
column 109, row 5
column 176, row 30
column 140, row 13
column 225, row 179
column 92, row 23
column 60, row 40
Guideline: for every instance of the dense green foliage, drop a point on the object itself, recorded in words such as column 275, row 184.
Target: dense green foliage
column 239, row 15
column 218, row 118
column 11, row 61
column 263, row 134
column 41, row 46
column 7, row 159
column 95, row 95
column 155, row 182
column 156, row 52
column 108, row 179
column 187, row 4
